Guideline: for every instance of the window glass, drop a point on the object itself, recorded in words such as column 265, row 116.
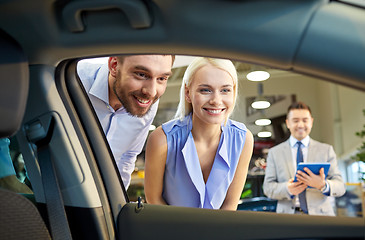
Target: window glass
column 337, row 111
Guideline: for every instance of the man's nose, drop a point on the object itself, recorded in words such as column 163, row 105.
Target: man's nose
column 149, row 88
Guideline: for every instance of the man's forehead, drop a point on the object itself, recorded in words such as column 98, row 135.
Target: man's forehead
column 146, row 58
column 299, row 113
column 159, row 63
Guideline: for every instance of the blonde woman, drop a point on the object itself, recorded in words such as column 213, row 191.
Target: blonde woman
column 200, row 158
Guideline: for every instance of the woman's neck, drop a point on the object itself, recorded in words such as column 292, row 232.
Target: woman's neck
column 202, row 131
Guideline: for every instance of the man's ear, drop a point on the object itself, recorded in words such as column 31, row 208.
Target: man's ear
column 112, row 64
column 187, row 95
column 286, row 122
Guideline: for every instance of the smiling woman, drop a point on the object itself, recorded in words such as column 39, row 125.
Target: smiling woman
column 200, row 158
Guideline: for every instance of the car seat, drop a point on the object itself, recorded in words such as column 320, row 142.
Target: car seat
column 19, row 217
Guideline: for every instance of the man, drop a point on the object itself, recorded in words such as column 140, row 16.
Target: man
column 310, row 194
column 125, row 95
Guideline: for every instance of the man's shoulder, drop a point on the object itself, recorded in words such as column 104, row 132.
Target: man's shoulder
column 316, row 143
column 88, row 71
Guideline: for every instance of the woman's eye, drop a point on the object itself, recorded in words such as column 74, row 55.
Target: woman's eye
column 205, row 90
column 226, row 90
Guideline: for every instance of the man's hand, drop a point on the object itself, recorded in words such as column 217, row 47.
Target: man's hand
column 296, row 187
column 311, row 179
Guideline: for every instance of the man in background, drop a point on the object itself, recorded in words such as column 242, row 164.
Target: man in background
column 310, row 194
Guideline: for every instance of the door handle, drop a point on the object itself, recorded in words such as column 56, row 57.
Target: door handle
column 135, row 10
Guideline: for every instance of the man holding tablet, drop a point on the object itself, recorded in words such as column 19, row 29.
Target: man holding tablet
column 309, row 194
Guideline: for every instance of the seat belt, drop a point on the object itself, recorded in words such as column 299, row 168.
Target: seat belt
column 41, row 137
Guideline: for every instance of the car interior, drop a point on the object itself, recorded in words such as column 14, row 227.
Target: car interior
column 77, row 191
column 14, row 96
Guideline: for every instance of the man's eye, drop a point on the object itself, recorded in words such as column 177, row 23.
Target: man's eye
column 163, row 78
column 141, row 75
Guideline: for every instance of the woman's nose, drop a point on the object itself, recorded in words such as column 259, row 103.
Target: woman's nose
column 216, row 99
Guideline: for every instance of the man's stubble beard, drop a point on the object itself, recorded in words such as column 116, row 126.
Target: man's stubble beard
column 123, row 99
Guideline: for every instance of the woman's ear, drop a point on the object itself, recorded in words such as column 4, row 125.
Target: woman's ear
column 112, row 64
column 187, row 94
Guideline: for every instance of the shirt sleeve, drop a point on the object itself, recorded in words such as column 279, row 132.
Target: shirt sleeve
column 326, row 191
column 126, row 145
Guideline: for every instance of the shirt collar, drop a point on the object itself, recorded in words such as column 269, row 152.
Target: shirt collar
column 100, row 88
column 293, row 141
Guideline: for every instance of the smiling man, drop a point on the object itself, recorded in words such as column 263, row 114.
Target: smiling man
column 125, row 94
column 310, row 194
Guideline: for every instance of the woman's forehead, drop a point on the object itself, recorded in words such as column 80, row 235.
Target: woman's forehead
column 211, row 75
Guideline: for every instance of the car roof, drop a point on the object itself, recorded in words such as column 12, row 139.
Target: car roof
column 319, row 38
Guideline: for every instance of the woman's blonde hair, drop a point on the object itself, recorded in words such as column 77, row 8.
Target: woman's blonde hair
column 185, row 108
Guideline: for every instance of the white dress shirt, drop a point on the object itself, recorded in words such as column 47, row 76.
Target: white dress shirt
column 294, row 149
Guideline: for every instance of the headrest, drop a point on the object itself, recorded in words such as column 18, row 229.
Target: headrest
column 14, row 84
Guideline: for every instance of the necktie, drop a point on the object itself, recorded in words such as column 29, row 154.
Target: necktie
column 302, row 199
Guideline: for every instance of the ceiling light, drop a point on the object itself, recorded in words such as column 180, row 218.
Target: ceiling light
column 264, row 133
column 263, row 122
column 260, row 103
column 257, row 76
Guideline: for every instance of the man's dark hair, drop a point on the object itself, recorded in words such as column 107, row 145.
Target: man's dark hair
column 121, row 57
column 298, row 105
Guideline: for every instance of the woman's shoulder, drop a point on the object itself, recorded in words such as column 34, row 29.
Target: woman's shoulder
column 232, row 124
column 157, row 136
column 235, row 128
column 174, row 125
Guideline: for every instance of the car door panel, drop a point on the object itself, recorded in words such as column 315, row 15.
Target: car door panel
column 168, row 222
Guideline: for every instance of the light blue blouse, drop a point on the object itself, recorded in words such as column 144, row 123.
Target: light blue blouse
column 183, row 180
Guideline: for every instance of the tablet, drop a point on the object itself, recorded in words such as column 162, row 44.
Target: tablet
column 314, row 167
